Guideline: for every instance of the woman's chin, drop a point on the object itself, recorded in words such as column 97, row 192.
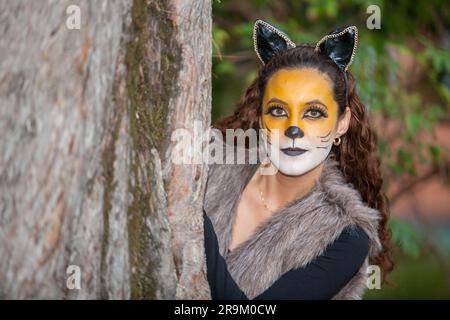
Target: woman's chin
column 296, row 165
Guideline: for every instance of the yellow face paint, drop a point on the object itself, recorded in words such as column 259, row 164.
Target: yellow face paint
column 301, row 98
column 299, row 104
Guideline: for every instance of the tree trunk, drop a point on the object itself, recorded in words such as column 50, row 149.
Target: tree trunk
column 86, row 171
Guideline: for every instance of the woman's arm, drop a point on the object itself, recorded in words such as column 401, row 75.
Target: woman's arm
column 320, row 279
column 221, row 283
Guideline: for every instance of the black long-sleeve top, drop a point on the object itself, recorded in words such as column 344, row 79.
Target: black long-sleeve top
column 322, row 278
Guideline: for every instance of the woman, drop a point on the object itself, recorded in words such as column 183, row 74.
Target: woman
column 310, row 230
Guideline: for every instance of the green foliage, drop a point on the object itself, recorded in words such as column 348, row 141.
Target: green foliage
column 408, row 237
column 414, row 278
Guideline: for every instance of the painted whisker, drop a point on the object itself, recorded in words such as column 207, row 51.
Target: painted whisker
column 325, row 135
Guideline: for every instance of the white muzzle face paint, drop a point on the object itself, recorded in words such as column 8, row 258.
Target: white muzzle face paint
column 284, row 156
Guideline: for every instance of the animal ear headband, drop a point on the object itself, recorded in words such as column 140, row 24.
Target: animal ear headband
column 340, row 44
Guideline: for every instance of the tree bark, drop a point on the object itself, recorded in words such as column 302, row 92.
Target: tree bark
column 86, row 170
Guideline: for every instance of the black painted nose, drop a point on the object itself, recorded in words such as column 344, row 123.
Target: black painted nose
column 294, row 132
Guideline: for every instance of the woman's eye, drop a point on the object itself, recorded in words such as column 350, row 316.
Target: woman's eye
column 277, row 112
column 315, row 113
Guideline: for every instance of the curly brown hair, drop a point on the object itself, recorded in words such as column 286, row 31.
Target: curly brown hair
column 356, row 153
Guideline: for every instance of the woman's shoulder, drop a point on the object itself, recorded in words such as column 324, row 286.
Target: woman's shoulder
column 353, row 241
column 363, row 219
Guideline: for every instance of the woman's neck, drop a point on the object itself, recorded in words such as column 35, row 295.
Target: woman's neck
column 279, row 189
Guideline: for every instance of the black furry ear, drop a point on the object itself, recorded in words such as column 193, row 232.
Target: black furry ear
column 340, row 45
column 269, row 41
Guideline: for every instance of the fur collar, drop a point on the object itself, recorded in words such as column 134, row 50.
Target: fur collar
column 294, row 235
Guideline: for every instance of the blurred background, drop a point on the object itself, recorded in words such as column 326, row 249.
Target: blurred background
column 403, row 75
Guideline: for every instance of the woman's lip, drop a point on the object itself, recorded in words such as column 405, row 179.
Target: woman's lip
column 293, row 151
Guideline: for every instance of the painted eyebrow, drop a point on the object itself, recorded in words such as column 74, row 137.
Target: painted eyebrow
column 276, row 100
column 316, row 102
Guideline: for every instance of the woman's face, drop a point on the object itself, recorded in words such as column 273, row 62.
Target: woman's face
column 299, row 106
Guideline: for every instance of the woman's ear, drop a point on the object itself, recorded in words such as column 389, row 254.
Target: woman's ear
column 344, row 122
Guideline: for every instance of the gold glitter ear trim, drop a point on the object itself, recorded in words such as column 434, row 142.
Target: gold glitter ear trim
column 336, row 35
column 289, row 42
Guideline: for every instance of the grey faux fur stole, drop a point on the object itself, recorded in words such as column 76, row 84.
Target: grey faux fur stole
column 294, row 235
